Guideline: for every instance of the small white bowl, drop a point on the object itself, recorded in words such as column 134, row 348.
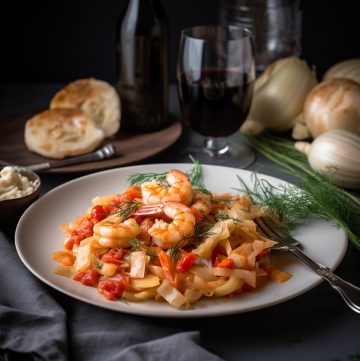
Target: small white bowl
column 12, row 209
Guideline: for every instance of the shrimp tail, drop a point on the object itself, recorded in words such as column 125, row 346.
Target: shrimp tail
column 155, row 209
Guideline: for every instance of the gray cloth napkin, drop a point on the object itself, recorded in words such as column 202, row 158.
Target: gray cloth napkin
column 38, row 323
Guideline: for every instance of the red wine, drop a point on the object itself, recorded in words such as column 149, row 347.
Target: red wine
column 214, row 101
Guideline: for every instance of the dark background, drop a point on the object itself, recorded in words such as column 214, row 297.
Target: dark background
column 65, row 40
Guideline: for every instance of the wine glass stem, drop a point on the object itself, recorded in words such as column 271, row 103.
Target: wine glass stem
column 216, row 147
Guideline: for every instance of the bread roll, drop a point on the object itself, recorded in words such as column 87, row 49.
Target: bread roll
column 97, row 98
column 60, row 133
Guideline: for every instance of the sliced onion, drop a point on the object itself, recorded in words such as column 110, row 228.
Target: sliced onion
column 204, row 273
column 239, row 260
column 192, row 296
column 200, row 284
column 260, row 246
column 171, row 294
column 230, row 286
column 156, row 270
column 249, row 277
column 138, row 261
column 223, row 272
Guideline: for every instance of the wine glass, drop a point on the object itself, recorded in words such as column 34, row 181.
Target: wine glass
column 215, row 78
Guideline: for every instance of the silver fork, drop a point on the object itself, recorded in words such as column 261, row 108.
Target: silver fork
column 349, row 292
column 105, row 152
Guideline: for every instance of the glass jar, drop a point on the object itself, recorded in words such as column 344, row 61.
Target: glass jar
column 275, row 24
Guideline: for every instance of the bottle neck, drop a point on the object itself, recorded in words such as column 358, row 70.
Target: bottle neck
column 143, row 10
column 143, row 14
column 149, row 4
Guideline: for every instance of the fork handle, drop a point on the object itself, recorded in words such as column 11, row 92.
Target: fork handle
column 349, row 292
column 90, row 157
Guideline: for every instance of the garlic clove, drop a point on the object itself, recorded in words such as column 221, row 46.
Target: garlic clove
column 302, row 147
column 300, row 131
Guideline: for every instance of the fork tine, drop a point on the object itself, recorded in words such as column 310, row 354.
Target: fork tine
column 264, row 228
column 271, row 225
column 272, row 230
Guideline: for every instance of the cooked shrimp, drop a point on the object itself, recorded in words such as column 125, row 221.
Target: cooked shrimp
column 114, row 232
column 168, row 235
column 145, row 225
column 202, row 205
column 180, row 189
column 242, row 208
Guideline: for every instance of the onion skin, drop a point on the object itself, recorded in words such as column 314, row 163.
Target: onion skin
column 349, row 69
column 338, row 152
column 333, row 104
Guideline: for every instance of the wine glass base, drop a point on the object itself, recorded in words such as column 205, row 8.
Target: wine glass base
column 237, row 155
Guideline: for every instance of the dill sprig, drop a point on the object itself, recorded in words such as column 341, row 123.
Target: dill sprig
column 292, row 162
column 195, row 177
column 139, row 178
column 126, row 208
column 136, row 245
column 314, row 196
column 202, row 229
column 224, row 215
column 173, row 252
column 98, row 264
column 123, row 300
column 201, row 188
column 195, row 172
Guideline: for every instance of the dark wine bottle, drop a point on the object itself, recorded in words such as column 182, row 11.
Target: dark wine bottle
column 142, row 66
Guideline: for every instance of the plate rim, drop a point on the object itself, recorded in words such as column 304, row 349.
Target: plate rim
column 172, row 312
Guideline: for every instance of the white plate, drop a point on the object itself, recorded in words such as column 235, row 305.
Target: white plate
column 38, row 235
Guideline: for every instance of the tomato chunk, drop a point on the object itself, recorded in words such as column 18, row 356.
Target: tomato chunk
column 185, row 262
column 130, row 193
column 169, row 269
column 113, row 288
column 84, row 230
column 225, row 263
column 113, row 256
column 88, row 278
column 98, row 213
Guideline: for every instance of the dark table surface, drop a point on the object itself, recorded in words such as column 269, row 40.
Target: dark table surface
column 314, row 326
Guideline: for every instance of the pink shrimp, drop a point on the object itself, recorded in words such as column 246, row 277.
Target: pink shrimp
column 168, row 235
column 180, row 189
column 113, row 231
column 145, row 225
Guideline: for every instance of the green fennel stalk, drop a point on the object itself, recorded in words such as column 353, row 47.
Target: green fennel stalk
column 314, row 196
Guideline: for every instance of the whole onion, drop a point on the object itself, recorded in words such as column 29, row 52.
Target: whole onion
column 333, row 104
column 279, row 95
column 349, row 69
